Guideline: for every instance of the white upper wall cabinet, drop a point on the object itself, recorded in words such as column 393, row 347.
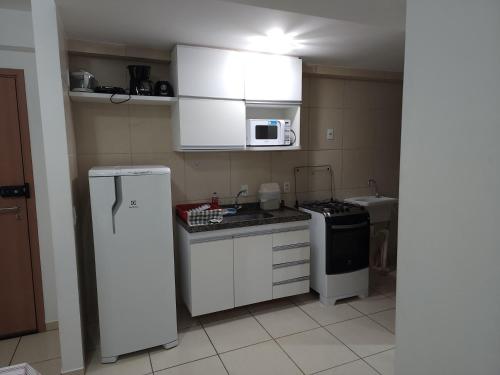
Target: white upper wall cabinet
column 208, row 72
column 209, row 124
column 272, row 78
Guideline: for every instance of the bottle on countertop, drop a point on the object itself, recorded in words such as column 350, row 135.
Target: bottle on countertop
column 215, row 200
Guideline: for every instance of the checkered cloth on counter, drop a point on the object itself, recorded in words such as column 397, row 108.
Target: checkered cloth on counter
column 203, row 217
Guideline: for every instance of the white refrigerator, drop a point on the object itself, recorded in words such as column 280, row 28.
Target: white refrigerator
column 134, row 258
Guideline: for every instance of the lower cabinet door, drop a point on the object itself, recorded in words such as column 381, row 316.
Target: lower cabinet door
column 253, row 269
column 212, row 276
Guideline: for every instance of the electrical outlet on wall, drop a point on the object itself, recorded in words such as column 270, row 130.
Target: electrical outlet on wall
column 245, row 190
column 329, row 134
column 286, row 187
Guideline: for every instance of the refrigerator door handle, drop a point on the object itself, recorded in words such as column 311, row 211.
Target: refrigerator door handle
column 118, row 200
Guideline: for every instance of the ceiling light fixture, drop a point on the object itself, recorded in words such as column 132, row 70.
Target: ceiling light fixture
column 275, row 41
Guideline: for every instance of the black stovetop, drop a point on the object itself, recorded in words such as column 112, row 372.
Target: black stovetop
column 333, row 208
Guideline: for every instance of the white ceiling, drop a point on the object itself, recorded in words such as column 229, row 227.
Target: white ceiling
column 354, row 33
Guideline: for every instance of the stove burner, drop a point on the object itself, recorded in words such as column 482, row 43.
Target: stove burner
column 332, row 208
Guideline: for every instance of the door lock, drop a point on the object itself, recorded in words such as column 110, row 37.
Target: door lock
column 15, row 191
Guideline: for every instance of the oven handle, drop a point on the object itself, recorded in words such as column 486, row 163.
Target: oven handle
column 351, row 226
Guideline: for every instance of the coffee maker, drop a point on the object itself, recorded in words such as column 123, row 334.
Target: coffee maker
column 139, row 80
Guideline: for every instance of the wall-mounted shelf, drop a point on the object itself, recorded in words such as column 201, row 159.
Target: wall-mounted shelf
column 92, row 97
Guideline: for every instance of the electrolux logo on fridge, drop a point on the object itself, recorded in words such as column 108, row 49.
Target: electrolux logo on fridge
column 133, row 204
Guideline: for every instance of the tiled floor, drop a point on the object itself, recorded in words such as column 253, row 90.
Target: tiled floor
column 290, row 336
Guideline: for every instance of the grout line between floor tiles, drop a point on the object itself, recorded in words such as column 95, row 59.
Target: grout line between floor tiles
column 184, row 363
column 331, row 368
column 277, row 343
column 15, row 350
column 216, row 351
column 373, row 368
column 151, row 361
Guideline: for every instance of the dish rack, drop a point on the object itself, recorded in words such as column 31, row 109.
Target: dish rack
column 193, row 218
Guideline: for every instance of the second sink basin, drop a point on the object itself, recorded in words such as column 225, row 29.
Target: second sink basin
column 379, row 207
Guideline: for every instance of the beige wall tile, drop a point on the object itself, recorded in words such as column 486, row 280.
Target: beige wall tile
column 150, row 129
column 319, row 178
column 101, row 128
column 360, row 94
column 387, row 128
column 306, row 100
column 357, row 168
column 283, row 164
column 304, row 128
column 249, row 168
column 321, row 119
column 359, row 128
column 207, row 172
column 326, row 93
column 173, row 160
column 386, row 171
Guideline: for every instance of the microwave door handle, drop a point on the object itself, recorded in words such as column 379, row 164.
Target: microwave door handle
column 350, row 226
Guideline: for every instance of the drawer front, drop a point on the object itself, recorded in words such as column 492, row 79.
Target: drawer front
column 291, row 255
column 291, row 272
column 291, row 237
column 290, row 289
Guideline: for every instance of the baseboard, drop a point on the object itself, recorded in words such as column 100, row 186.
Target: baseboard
column 51, row 326
column 80, row 371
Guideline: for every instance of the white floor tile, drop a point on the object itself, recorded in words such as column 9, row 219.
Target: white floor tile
column 382, row 362
column 373, row 304
column 264, row 359
column 236, row 332
column 193, row 345
column 353, row 368
column 363, row 336
column 207, row 366
column 329, row 314
column 38, row 347
column 50, row 367
column 284, row 319
column 386, row 318
column 130, row 364
column 7, row 348
column 316, row 350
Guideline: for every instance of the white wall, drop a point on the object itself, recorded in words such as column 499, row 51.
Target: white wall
column 55, row 137
column 448, row 297
column 17, row 52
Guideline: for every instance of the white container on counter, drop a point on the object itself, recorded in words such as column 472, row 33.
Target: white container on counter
column 270, row 196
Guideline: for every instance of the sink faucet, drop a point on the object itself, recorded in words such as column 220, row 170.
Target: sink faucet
column 372, row 182
column 236, row 205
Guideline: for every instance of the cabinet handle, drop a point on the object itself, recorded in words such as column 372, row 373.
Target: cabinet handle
column 296, row 280
column 8, row 210
column 290, row 264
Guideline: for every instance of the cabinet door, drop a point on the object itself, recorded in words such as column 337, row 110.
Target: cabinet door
column 209, row 72
column 212, row 276
column 253, row 269
column 211, row 124
column 272, row 77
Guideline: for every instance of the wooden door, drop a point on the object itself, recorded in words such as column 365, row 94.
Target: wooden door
column 20, row 282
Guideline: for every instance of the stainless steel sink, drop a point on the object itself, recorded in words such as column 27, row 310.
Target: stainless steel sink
column 246, row 216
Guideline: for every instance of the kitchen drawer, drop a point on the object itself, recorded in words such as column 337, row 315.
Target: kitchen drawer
column 290, row 289
column 292, row 271
column 291, row 237
column 291, row 254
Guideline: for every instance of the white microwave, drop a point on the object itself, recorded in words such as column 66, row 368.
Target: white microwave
column 268, row 132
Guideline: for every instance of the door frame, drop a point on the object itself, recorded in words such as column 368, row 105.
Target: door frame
column 36, row 270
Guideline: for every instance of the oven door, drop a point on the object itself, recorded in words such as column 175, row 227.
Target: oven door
column 347, row 244
column 263, row 134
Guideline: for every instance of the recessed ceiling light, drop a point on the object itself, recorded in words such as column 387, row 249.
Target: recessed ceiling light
column 275, row 41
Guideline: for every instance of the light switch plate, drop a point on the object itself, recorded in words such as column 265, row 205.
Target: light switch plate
column 286, row 187
column 329, row 134
column 245, row 188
